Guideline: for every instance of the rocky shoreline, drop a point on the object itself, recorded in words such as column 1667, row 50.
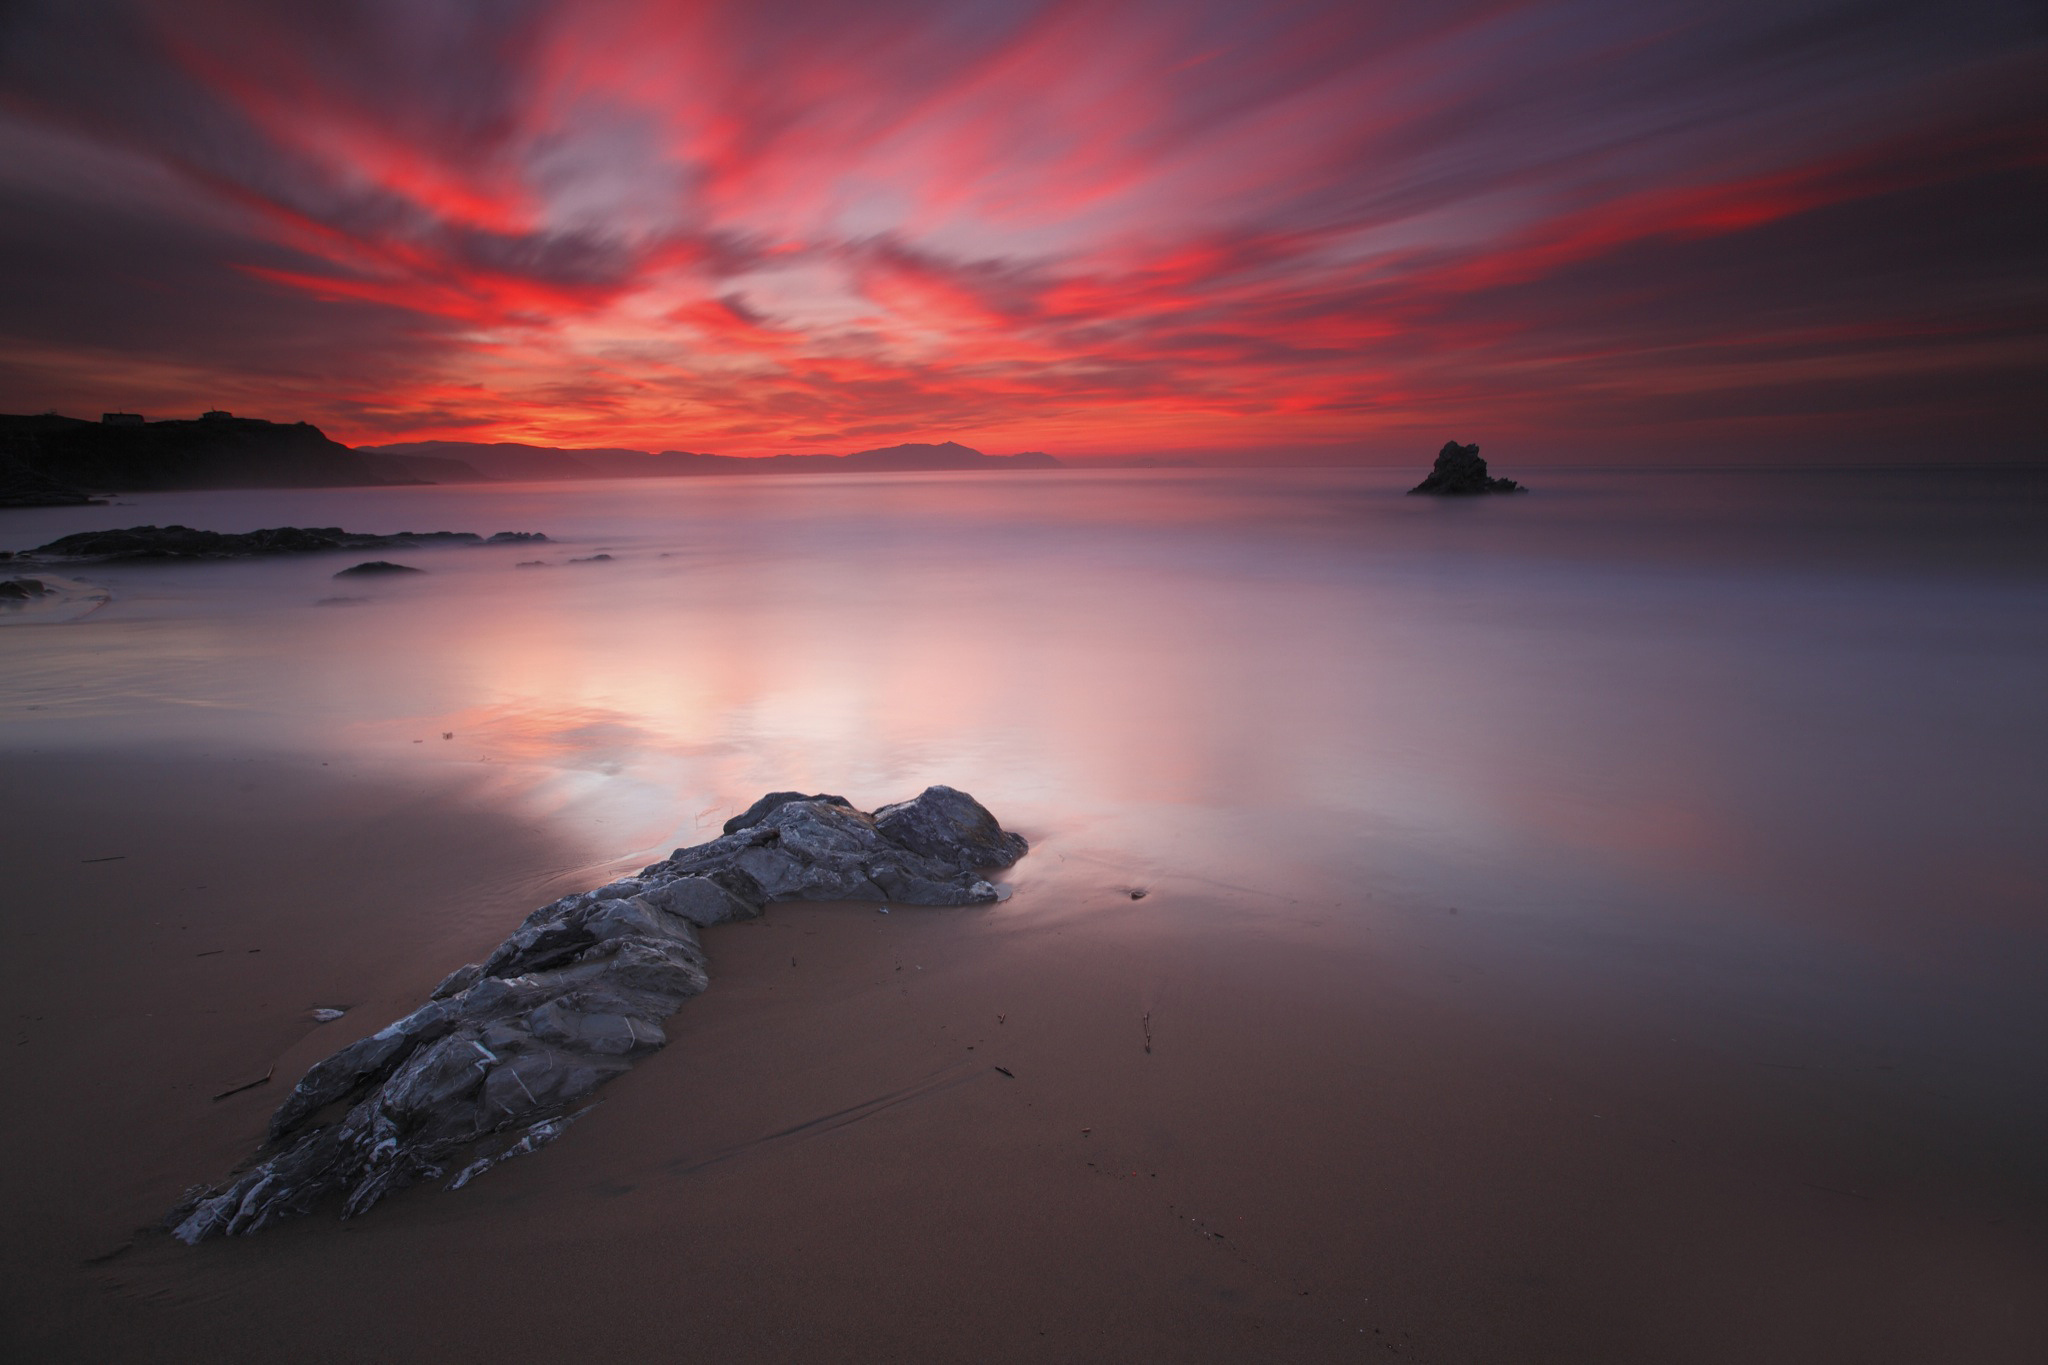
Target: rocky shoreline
column 496, row 1063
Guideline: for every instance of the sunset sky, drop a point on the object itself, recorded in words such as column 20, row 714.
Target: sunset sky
column 1597, row 230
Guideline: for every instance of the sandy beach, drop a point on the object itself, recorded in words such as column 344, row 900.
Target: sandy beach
column 1323, row 1157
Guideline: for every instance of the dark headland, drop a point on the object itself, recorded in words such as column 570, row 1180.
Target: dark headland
column 48, row 460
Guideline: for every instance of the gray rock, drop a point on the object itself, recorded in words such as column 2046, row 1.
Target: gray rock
column 458, row 981
column 491, row 1066
column 950, row 827
column 532, row 1140
column 699, row 900
column 819, row 850
column 759, row 811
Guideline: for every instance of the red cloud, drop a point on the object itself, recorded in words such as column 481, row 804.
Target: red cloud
column 698, row 224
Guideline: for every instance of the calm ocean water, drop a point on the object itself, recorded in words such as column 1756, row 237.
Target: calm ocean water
column 1762, row 751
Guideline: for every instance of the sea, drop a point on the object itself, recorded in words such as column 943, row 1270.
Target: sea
column 1753, row 758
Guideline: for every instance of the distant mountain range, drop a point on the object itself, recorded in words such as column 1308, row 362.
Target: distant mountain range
column 472, row 462
column 48, row 460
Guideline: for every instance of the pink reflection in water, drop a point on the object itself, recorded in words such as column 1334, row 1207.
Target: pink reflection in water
column 1622, row 691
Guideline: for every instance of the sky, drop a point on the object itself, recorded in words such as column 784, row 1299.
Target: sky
column 1601, row 230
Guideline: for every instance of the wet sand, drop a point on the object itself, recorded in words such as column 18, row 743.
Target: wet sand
column 1329, row 1153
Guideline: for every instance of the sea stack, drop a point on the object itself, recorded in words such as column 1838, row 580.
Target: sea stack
column 1459, row 472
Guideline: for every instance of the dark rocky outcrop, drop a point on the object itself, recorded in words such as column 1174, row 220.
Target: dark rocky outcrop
column 372, row 568
column 494, row 1065
column 182, row 542
column 1459, row 472
column 22, row 589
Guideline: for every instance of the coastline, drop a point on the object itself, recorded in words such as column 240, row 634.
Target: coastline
column 1322, row 1150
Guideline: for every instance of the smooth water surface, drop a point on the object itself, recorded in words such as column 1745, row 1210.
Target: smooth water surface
column 1763, row 750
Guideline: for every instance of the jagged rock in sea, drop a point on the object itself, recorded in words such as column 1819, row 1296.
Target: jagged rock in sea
column 496, row 1062
column 182, row 542
column 1459, row 472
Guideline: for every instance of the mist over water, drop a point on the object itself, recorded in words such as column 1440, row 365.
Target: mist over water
column 1761, row 747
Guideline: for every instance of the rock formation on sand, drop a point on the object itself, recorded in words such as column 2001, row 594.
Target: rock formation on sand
column 182, row 542
column 1459, row 472
column 495, row 1063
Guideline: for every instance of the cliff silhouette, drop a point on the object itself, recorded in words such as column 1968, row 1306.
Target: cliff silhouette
column 48, row 460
